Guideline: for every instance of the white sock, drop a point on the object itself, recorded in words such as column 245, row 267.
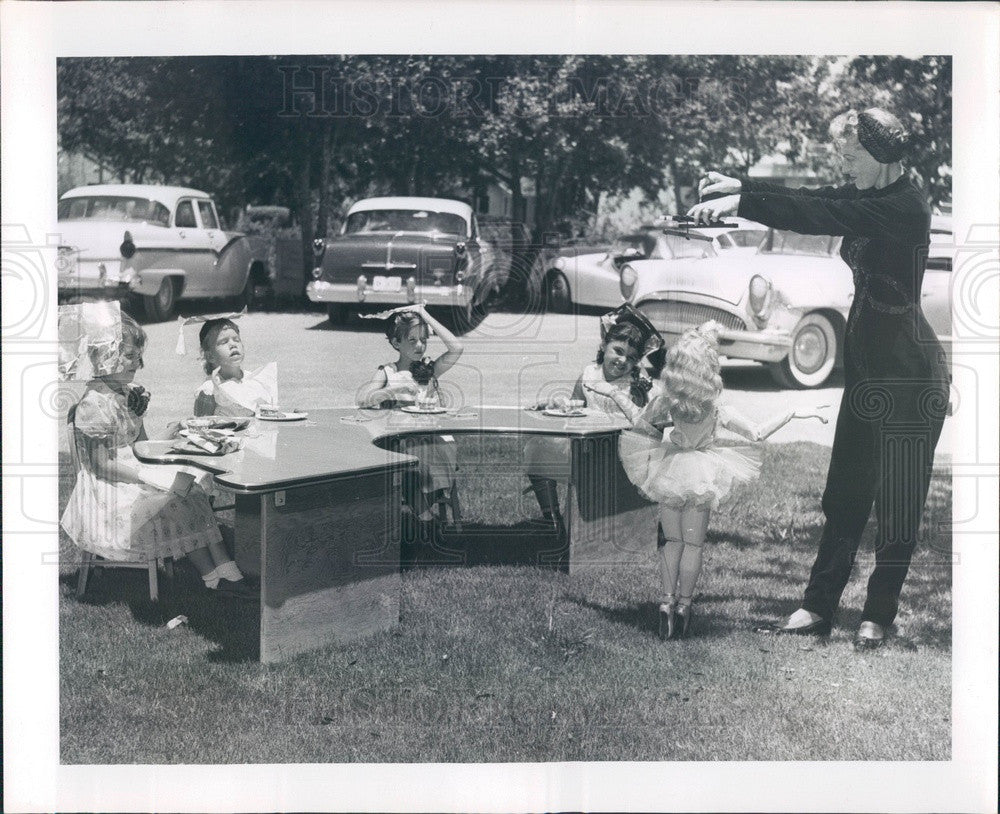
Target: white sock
column 229, row 570
column 211, row 579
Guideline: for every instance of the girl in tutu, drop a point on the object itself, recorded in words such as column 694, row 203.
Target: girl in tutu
column 412, row 380
column 229, row 391
column 121, row 509
column 685, row 469
column 614, row 384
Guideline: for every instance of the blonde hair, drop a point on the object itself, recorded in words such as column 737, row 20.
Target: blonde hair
column 691, row 378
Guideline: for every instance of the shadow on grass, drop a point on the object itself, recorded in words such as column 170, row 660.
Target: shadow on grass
column 483, row 544
column 232, row 624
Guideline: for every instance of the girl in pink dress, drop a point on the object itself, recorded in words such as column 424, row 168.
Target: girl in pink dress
column 686, row 469
column 121, row 509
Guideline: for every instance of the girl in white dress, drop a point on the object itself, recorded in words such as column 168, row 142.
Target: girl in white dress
column 121, row 509
column 686, row 469
column 413, row 380
column 229, row 391
column 626, row 338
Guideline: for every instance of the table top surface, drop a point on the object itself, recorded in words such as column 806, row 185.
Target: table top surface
column 336, row 443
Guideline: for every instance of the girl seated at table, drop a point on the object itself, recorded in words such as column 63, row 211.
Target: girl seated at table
column 119, row 508
column 413, row 380
column 627, row 337
column 229, row 391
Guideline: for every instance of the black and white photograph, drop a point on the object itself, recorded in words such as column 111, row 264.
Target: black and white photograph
column 590, row 412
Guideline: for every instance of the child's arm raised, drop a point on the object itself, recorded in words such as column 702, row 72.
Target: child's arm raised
column 447, row 359
column 733, row 420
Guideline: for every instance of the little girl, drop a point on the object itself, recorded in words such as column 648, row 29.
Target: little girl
column 413, row 379
column 229, row 391
column 626, row 338
column 117, row 509
column 685, row 470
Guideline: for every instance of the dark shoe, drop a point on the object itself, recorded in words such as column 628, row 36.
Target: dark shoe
column 870, row 636
column 684, row 615
column 820, row 627
column 238, row 589
column 667, row 621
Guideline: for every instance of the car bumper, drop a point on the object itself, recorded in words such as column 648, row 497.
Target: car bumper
column 758, row 346
column 107, row 290
column 321, row 291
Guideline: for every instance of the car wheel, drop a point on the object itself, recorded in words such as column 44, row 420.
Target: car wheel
column 557, row 294
column 160, row 306
column 812, row 356
column 336, row 312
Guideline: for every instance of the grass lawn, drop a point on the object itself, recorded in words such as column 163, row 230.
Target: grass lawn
column 503, row 663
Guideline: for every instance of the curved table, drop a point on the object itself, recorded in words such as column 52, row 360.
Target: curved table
column 318, row 506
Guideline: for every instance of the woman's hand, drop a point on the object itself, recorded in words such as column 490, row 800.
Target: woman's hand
column 715, row 209
column 715, row 183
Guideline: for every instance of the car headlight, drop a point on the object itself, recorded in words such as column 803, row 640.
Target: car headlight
column 627, row 280
column 317, row 272
column 760, row 298
column 127, row 248
column 66, row 259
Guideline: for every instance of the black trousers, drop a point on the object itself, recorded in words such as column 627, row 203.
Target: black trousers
column 883, row 453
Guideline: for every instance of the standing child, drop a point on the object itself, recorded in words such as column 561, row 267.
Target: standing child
column 120, row 508
column 614, row 384
column 413, row 380
column 686, row 471
column 229, row 391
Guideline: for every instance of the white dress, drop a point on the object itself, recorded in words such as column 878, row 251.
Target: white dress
column 438, row 458
column 239, row 398
column 127, row 521
column 685, row 466
column 549, row 457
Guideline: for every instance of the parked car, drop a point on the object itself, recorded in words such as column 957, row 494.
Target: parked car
column 786, row 305
column 594, row 279
column 151, row 244
column 394, row 251
column 512, row 242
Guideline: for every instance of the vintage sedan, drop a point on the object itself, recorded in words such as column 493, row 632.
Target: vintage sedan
column 786, row 305
column 400, row 250
column 151, row 244
column 594, row 279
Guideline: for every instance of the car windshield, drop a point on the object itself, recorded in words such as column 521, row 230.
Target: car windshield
column 404, row 220
column 747, row 238
column 781, row 242
column 692, row 246
column 645, row 244
column 114, row 208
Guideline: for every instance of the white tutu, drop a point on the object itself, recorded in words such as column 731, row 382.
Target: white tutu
column 668, row 471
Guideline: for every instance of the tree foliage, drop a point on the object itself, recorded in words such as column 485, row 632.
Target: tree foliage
column 315, row 132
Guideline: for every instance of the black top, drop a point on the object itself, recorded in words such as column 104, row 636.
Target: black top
column 886, row 235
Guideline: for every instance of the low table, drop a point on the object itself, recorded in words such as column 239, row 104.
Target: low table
column 318, row 511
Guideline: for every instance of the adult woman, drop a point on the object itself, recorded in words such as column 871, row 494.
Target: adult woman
column 895, row 377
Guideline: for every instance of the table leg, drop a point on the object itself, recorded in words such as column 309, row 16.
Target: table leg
column 329, row 562
column 607, row 520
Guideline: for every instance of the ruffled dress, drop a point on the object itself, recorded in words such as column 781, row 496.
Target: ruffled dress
column 549, row 457
column 685, row 467
column 239, row 398
column 438, row 457
column 127, row 521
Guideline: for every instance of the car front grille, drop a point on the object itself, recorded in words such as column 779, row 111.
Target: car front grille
column 679, row 316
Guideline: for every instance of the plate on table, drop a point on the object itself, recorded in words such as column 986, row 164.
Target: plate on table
column 215, row 422
column 578, row 413
column 279, row 416
column 412, row 408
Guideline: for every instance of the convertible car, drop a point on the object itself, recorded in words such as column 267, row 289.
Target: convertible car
column 786, row 304
column 594, row 279
column 151, row 244
column 395, row 251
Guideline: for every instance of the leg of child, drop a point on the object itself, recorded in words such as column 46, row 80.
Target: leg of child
column 694, row 527
column 670, row 553
column 548, row 498
column 203, row 560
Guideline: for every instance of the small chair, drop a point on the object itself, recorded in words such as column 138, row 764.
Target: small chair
column 89, row 560
column 456, row 512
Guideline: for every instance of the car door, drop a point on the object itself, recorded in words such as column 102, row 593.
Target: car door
column 225, row 279
column 196, row 251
